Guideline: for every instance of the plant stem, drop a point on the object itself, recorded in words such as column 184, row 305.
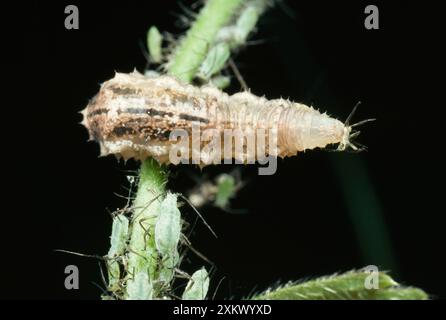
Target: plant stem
column 200, row 37
column 143, row 256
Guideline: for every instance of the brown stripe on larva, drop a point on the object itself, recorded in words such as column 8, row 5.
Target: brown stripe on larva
column 133, row 115
column 189, row 117
column 97, row 112
column 123, row 90
column 153, row 112
column 137, row 129
column 123, row 130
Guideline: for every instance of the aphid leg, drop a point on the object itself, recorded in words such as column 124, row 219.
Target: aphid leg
column 146, row 231
column 131, row 180
column 238, row 75
column 218, row 287
column 119, row 212
column 134, row 252
column 188, row 244
column 182, row 274
column 94, row 256
column 185, row 18
column 192, row 15
column 104, row 291
column 102, row 274
column 162, row 262
column 256, row 42
column 147, row 205
column 199, row 214
column 123, row 197
column 145, row 54
column 129, row 197
column 195, row 5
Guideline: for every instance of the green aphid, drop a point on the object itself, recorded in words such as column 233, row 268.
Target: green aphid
column 198, row 286
column 219, row 81
column 246, row 23
column 215, row 60
column 154, row 44
column 168, row 225
column 226, row 189
column 119, row 236
column 140, row 288
column 118, row 241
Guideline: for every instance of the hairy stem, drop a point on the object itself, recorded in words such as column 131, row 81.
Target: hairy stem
column 143, row 257
column 354, row 285
column 194, row 47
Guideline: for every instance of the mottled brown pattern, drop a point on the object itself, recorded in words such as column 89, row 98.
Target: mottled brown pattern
column 133, row 115
column 123, row 90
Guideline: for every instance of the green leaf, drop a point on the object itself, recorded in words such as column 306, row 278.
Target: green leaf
column 348, row 286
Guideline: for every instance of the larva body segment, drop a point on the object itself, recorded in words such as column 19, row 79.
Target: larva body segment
column 132, row 116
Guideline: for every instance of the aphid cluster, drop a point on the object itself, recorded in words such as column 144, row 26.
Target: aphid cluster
column 166, row 230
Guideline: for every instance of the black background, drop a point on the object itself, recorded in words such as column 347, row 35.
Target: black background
column 299, row 223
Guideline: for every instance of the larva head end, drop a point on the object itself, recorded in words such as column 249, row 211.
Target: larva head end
column 348, row 136
column 346, row 141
